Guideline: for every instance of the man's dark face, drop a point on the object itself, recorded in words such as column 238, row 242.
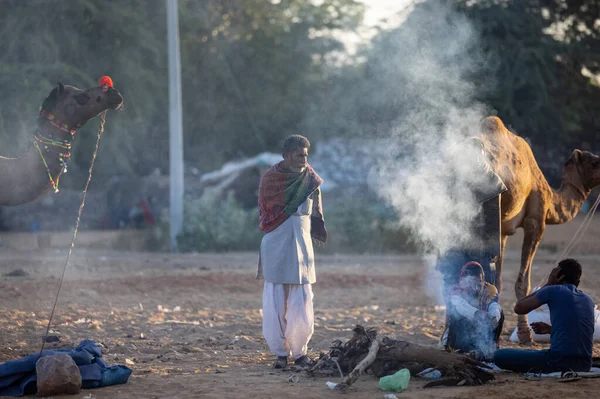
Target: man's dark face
column 296, row 160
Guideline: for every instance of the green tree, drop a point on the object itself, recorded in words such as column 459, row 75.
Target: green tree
column 250, row 69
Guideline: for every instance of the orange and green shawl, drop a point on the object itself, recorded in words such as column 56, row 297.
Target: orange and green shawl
column 280, row 194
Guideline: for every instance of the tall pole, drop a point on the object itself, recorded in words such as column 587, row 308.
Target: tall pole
column 175, row 126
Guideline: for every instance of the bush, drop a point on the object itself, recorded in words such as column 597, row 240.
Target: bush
column 363, row 226
column 369, row 226
column 215, row 224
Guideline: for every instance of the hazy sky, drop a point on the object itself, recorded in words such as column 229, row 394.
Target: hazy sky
column 383, row 13
column 382, row 9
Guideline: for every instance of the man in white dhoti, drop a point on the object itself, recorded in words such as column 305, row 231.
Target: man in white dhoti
column 291, row 214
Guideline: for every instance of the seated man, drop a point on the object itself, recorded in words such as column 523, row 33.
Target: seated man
column 475, row 318
column 572, row 330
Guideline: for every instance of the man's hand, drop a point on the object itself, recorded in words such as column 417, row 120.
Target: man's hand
column 540, row 327
column 554, row 278
column 480, row 315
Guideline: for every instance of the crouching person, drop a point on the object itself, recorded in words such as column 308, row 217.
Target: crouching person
column 571, row 332
column 475, row 318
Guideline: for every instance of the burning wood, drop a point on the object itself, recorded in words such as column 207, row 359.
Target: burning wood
column 384, row 356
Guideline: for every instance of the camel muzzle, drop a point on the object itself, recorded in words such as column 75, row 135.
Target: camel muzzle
column 115, row 99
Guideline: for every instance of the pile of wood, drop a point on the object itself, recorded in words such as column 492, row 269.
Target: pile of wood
column 368, row 352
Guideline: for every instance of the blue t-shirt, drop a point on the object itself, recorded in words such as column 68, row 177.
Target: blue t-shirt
column 572, row 318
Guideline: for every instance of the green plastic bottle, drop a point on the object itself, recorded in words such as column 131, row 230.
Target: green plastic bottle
column 396, row 382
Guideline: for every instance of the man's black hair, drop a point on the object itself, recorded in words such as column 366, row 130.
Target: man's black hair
column 294, row 142
column 571, row 269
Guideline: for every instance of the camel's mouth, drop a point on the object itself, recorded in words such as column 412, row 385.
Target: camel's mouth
column 115, row 99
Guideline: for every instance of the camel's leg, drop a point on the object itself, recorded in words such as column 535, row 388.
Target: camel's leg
column 533, row 230
column 499, row 263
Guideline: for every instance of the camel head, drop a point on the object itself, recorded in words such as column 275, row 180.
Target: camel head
column 491, row 125
column 583, row 169
column 73, row 107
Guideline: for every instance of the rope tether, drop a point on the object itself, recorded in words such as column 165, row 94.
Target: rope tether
column 100, row 130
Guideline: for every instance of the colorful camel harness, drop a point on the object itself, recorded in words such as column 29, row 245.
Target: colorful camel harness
column 63, row 145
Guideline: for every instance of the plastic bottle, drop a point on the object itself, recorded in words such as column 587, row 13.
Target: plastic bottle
column 430, row 374
column 396, row 382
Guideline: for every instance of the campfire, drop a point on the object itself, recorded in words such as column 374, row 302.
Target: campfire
column 367, row 351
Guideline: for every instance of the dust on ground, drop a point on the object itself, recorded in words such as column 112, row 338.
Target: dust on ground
column 190, row 325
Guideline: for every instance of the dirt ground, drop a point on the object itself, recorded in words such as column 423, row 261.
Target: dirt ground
column 190, row 325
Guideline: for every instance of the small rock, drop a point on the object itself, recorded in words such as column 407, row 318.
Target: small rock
column 51, row 338
column 17, row 273
column 244, row 343
column 57, row 375
column 90, row 293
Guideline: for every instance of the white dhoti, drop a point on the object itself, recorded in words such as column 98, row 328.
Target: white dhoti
column 288, row 318
column 287, row 262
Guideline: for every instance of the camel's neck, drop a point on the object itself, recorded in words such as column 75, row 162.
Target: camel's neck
column 24, row 179
column 567, row 201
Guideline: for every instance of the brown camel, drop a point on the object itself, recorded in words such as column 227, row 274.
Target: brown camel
column 530, row 202
column 65, row 110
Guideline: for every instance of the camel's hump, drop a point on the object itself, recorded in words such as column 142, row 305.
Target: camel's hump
column 492, row 125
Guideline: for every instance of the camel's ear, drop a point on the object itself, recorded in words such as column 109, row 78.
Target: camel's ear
column 50, row 101
column 576, row 157
column 61, row 88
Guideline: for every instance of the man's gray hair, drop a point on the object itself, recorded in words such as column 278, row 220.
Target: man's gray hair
column 294, row 142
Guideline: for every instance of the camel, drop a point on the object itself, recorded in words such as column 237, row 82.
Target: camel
column 65, row 110
column 530, row 203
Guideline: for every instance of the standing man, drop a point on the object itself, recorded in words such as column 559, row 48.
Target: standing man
column 571, row 332
column 291, row 213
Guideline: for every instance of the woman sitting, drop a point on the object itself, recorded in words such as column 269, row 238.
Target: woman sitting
column 475, row 316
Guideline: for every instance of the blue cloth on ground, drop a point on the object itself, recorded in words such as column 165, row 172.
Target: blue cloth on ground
column 18, row 377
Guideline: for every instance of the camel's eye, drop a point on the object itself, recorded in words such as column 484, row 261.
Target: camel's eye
column 82, row 98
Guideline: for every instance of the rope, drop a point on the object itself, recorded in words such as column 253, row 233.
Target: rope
column 100, row 130
column 578, row 235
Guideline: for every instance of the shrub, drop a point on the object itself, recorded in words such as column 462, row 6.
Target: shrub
column 212, row 223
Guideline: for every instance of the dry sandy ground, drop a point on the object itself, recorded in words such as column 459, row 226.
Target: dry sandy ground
column 190, row 325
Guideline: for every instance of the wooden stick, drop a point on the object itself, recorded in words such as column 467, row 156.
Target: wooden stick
column 339, row 369
column 360, row 367
column 319, row 363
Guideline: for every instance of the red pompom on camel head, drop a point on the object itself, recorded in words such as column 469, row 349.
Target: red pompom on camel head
column 105, row 81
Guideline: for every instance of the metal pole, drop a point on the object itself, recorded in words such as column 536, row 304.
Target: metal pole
column 175, row 125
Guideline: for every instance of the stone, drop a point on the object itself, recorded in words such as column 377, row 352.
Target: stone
column 245, row 343
column 57, row 375
column 17, row 273
column 51, row 338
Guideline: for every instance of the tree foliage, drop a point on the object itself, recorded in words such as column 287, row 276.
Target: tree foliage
column 255, row 71
column 510, row 58
column 247, row 73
